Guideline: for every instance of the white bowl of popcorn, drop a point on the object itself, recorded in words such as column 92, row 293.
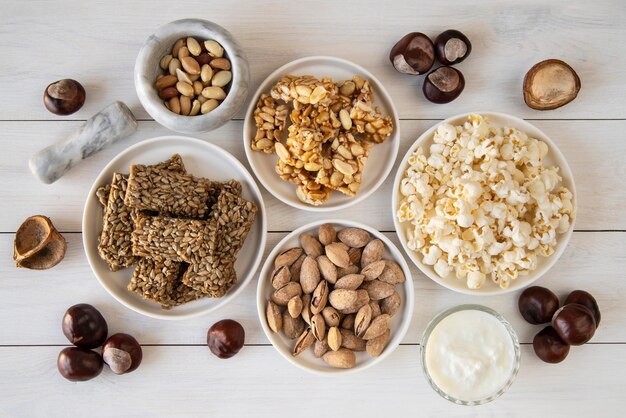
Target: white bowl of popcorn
column 484, row 203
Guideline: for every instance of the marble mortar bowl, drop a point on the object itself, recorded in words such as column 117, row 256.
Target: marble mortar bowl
column 147, row 69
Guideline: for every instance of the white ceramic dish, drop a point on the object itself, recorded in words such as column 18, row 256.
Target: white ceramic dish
column 160, row 44
column 554, row 157
column 306, row 361
column 381, row 158
column 201, row 159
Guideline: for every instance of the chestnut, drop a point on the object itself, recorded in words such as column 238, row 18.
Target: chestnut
column 538, row 304
column 225, row 338
column 84, row 326
column 574, row 323
column 584, row 298
column 413, row 54
column 452, row 47
column 122, row 353
column 64, row 97
column 79, row 364
column 549, row 347
column 443, row 84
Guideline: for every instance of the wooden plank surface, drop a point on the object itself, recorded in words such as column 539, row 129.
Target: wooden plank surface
column 595, row 151
column 96, row 42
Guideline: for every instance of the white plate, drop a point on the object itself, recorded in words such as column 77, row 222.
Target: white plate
column 306, row 361
column 554, row 157
column 201, row 159
column 381, row 158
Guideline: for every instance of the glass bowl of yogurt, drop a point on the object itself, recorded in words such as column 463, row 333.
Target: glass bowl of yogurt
column 470, row 354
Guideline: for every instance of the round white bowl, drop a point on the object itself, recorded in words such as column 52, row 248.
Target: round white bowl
column 147, row 69
column 554, row 157
column 381, row 158
column 306, row 360
column 201, row 159
column 514, row 340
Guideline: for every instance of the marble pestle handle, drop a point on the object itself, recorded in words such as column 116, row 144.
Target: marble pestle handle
column 103, row 129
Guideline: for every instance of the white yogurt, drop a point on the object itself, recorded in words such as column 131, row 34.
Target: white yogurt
column 470, row 355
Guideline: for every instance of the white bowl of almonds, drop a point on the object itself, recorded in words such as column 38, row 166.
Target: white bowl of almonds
column 335, row 296
column 191, row 76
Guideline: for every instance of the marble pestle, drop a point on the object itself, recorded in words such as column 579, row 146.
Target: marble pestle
column 105, row 128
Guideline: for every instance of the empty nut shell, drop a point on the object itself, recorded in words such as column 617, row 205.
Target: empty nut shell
column 38, row 245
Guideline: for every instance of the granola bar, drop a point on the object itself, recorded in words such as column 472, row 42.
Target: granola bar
column 176, row 239
column 160, row 281
column 166, row 191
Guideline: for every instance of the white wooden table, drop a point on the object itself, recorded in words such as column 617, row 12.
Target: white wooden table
column 96, row 43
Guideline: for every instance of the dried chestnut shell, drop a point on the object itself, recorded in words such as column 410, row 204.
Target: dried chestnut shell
column 122, row 353
column 84, row 326
column 584, row 298
column 549, row 347
column 452, row 47
column 538, row 304
column 64, row 97
column 225, row 338
column 79, row 364
column 574, row 323
column 443, row 84
column 550, row 84
column 413, row 54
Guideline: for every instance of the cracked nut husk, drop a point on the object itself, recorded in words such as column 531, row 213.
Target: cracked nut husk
column 38, row 245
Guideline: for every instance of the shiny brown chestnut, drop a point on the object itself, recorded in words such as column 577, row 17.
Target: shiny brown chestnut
column 79, row 364
column 584, row 298
column 452, row 47
column 549, row 347
column 64, row 97
column 122, row 353
column 225, row 338
column 444, row 84
column 413, row 54
column 84, row 326
column 538, row 304
column 574, row 323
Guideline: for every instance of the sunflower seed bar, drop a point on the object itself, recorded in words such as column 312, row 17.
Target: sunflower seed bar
column 165, row 238
column 232, row 217
column 166, row 191
column 114, row 245
column 160, row 281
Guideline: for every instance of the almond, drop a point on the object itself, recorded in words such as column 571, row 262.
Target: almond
column 338, row 255
column 319, row 297
column 379, row 325
column 392, row 273
column 342, row 298
column 310, row 245
column 318, row 327
column 391, row 304
column 362, row 320
column 355, row 255
column 296, row 267
column 373, row 270
column 309, row 275
column 294, row 306
column 354, row 237
column 280, row 277
column 372, row 252
column 292, row 327
column 331, row 316
column 334, row 338
column 362, row 298
column 320, row 348
column 284, row 294
column 375, row 308
column 327, row 234
column 287, row 257
column 305, row 340
column 274, row 317
column 327, row 269
column 351, row 269
column 342, row 358
column 378, row 290
column 375, row 346
column 348, row 322
column 350, row 281
column 351, row 341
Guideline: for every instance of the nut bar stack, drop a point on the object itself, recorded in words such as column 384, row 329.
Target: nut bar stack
column 201, row 224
